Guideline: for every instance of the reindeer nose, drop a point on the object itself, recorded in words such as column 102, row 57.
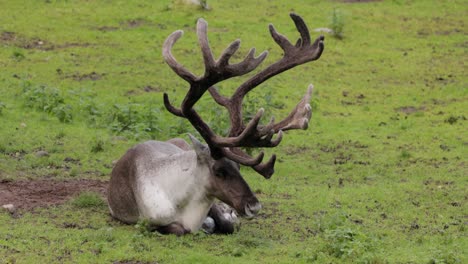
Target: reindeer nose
column 251, row 210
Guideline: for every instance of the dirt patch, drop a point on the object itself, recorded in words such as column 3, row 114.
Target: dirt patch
column 134, row 23
column 7, row 36
column 14, row 39
column 410, row 109
column 146, row 89
column 27, row 195
column 107, row 28
column 129, row 24
column 92, row 76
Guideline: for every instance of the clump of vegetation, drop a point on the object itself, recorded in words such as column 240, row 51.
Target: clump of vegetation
column 405, row 154
column 97, row 146
column 135, row 119
column 18, row 55
column 47, row 99
column 337, row 24
column 88, row 200
column 343, row 239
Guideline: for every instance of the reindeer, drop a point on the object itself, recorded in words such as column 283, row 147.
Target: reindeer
column 174, row 186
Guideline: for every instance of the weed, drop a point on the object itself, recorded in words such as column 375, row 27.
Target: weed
column 92, row 112
column 337, row 24
column 134, row 119
column 18, row 56
column 88, row 200
column 343, row 240
column 64, row 113
column 151, row 124
column 405, row 154
column 41, row 97
column 97, row 146
column 346, row 242
column 123, row 117
column 47, row 100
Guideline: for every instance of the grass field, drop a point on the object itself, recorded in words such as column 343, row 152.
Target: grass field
column 380, row 176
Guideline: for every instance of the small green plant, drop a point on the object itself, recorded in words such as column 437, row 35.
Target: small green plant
column 405, row 154
column 135, row 120
column 64, row 113
column 47, row 99
column 150, row 124
column 18, row 55
column 337, row 24
column 98, row 146
column 88, row 200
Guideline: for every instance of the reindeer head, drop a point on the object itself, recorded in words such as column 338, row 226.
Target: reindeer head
column 250, row 135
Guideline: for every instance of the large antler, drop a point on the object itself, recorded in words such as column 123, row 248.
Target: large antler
column 252, row 134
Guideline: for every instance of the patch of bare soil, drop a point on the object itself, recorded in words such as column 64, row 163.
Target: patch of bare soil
column 12, row 38
column 146, row 89
column 93, row 76
column 27, row 195
column 409, row 109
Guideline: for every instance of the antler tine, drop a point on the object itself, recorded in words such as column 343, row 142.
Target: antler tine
column 302, row 28
column 280, row 39
column 228, row 52
column 204, row 45
column 248, row 64
column 171, row 61
column 171, row 108
column 265, row 169
column 299, row 116
column 240, row 157
column 221, row 100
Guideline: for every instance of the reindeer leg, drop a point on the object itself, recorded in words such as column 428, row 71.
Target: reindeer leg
column 175, row 228
column 223, row 225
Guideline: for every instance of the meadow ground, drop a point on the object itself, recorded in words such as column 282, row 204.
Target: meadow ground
column 379, row 176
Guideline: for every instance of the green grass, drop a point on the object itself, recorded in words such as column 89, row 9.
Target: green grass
column 88, row 200
column 379, row 177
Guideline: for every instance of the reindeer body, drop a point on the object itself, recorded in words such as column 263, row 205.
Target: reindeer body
column 167, row 184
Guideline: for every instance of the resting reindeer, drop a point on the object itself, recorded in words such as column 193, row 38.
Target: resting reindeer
column 173, row 186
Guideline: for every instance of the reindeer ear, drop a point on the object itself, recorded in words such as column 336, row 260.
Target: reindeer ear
column 202, row 150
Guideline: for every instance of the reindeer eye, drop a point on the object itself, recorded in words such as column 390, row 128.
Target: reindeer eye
column 221, row 173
